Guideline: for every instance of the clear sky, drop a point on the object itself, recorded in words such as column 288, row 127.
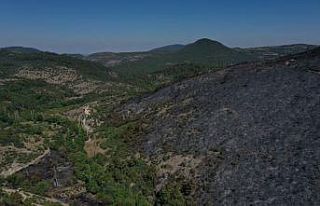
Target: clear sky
column 84, row 26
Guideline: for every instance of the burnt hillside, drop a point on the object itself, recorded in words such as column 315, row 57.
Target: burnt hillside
column 247, row 135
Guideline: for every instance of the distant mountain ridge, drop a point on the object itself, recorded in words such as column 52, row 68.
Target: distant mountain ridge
column 169, row 48
column 18, row 49
column 203, row 51
column 268, row 52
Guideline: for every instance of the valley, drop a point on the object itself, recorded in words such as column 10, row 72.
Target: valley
column 196, row 124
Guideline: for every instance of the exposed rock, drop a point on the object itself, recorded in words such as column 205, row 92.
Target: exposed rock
column 93, row 148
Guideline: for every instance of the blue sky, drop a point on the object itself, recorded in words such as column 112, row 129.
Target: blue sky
column 79, row 26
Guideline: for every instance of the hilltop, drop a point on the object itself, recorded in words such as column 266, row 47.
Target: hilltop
column 207, row 51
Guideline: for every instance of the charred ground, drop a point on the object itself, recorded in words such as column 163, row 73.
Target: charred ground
column 254, row 129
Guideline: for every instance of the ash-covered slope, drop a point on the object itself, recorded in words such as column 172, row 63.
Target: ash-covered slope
column 247, row 135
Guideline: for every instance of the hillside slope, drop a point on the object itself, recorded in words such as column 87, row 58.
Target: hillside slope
column 81, row 76
column 13, row 59
column 247, row 135
column 110, row 59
